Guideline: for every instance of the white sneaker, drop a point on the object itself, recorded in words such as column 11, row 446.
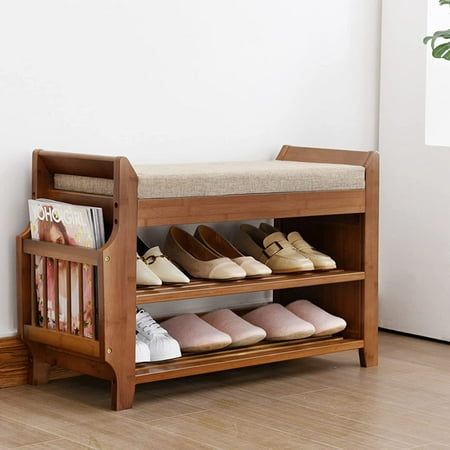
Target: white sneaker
column 162, row 346
column 142, row 351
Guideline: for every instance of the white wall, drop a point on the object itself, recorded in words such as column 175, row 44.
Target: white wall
column 437, row 129
column 415, row 184
column 178, row 81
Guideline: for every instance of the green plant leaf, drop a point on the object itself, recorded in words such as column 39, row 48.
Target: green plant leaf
column 445, row 34
column 442, row 51
column 444, row 2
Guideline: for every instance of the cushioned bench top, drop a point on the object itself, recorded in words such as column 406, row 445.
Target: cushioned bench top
column 226, row 178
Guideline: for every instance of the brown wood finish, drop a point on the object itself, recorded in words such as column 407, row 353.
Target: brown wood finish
column 59, row 339
column 343, row 223
column 170, row 211
column 208, row 288
column 232, row 359
column 63, row 252
column 24, row 288
column 369, row 308
column 117, row 288
column 15, row 364
column 323, row 155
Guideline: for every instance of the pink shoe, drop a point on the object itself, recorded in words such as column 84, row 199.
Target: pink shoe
column 194, row 334
column 324, row 323
column 279, row 323
column 241, row 332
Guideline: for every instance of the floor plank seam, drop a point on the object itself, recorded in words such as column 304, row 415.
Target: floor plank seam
column 371, row 433
column 34, row 427
column 184, row 438
column 150, row 421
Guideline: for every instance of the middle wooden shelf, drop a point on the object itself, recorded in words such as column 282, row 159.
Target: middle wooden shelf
column 210, row 288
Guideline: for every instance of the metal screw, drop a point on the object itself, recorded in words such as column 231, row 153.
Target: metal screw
column 107, row 258
column 109, row 351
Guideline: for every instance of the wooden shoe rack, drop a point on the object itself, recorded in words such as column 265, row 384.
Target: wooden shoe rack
column 343, row 224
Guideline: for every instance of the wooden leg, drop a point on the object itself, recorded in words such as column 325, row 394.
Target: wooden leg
column 368, row 356
column 122, row 394
column 39, row 368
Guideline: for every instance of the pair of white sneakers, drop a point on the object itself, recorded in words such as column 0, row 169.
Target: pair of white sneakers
column 153, row 343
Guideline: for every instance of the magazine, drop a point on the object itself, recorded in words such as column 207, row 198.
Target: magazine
column 66, row 224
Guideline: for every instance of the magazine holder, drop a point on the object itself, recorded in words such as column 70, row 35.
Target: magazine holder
column 341, row 223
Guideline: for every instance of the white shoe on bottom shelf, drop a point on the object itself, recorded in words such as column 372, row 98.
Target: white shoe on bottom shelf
column 161, row 344
column 142, row 352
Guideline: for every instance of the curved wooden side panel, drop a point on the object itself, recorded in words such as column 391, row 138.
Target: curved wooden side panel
column 112, row 355
column 23, row 282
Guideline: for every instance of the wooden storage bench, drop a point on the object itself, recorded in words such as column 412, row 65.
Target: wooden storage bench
column 331, row 196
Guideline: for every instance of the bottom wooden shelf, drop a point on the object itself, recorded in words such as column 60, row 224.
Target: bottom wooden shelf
column 243, row 357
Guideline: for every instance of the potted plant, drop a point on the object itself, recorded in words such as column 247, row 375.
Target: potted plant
column 442, row 39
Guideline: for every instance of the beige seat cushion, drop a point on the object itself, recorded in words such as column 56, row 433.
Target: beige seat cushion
column 227, row 178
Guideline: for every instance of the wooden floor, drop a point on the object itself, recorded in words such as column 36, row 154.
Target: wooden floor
column 322, row 402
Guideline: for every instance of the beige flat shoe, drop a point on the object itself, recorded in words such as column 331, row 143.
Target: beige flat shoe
column 273, row 250
column 163, row 268
column 222, row 247
column 199, row 261
column 144, row 275
column 319, row 259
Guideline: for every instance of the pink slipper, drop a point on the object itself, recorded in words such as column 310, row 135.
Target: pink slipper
column 241, row 332
column 279, row 323
column 324, row 323
column 194, row 334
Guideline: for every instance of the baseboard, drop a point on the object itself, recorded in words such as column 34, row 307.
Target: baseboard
column 417, row 336
column 14, row 364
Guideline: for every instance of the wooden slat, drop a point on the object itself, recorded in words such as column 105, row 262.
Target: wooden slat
column 57, row 296
column 60, row 251
column 81, row 299
column 45, row 291
column 65, row 341
column 77, row 198
column 77, row 164
column 168, row 211
column 245, row 357
column 69, row 297
column 94, row 302
column 208, row 288
column 34, row 298
column 24, row 286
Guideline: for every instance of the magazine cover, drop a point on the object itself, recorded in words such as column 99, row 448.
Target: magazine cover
column 69, row 225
